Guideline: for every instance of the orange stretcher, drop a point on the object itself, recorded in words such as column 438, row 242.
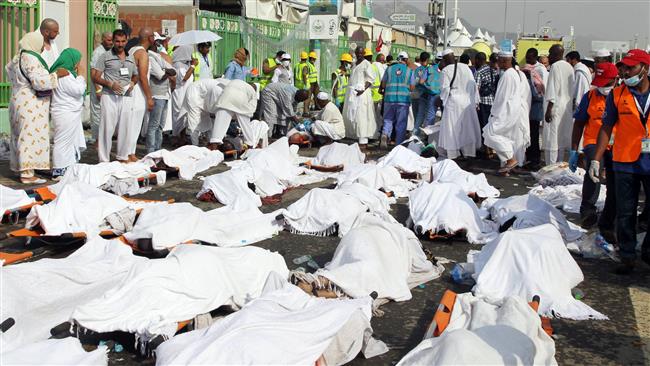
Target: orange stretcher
column 442, row 316
column 40, row 195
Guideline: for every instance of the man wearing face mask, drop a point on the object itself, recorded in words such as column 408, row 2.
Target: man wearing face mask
column 268, row 67
column 588, row 121
column 627, row 108
column 282, row 73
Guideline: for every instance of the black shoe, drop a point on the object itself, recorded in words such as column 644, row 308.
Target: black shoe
column 589, row 221
column 608, row 235
column 626, row 268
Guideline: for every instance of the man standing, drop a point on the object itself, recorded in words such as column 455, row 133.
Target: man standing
column 588, row 121
column 142, row 97
column 537, row 77
column 204, row 68
column 312, row 80
column 507, row 129
column 487, row 77
column 161, row 75
column 358, row 109
column 377, row 98
column 50, row 30
column 602, row 55
column 460, row 131
column 428, row 85
column 96, row 90
column 340, row 80
column 283, row 73
column 268, row 67
column 397, row 85
column 559, row 110
column 237, row 69
column 582, row 77
column 279, row 102
column 118, row 79
column 627, row 108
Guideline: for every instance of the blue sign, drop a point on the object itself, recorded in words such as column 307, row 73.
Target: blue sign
column 506, row 45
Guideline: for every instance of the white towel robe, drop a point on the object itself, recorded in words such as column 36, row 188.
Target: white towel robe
column 582, row 83
column 360, row 123
column 559, row 90
column 178, row 95
column 66, row 109
column 508, row 130
column 459, row 127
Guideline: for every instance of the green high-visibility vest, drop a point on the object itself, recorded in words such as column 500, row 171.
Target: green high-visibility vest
column 267, row 77
column 312, row 77
column 297, row 75
column 197, row 69
column 341, row 86
column 376, row 96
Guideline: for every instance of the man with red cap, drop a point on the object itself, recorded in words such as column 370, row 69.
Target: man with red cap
column 588, row 120
column 627, row 108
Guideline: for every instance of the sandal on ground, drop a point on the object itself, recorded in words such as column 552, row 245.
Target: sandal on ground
column 505, row 171
column 33, row 180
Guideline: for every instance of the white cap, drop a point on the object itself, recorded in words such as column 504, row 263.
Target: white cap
column 403, row 54
column 322, row 96
column 505, row 54
column 158, row 37
column 447, row 52
column 286, row 56
column 603, row 52
column 439, row 54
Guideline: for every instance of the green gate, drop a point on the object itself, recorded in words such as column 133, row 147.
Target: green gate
column 102, row 17
column 17, row 17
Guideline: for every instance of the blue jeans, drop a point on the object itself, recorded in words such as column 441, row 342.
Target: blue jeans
column 396, row 115
column 627, row 199
column 156, row 124
column 426, row 112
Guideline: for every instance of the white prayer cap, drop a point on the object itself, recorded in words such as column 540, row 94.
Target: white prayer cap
column 505, row 54
column 603, row 52
column 322, row 96
column 158, row 37
column 439, row 54
column 403, row 55
column 286, row 56
column 447, row 52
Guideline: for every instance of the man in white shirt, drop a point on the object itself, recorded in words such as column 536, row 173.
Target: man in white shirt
column 582, row 77
column 50, row 30
column 329, row 126
column 96, row 90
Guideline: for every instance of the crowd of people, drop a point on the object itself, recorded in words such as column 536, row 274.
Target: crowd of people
column 485, row 104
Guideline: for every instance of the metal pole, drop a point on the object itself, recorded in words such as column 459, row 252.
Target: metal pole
column 539, row 14
column 446, row 26
column 523, row 23
column 505, row 19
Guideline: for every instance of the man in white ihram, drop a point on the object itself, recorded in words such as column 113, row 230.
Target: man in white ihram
column 460, row 131
column 508, row 130
column 556, row 136
column 359, row 109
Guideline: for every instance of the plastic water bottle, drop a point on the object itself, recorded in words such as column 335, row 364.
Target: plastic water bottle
column 301, row 260
column 312, row 263
column 603, row 244
column 461, row 275
column 577, row 293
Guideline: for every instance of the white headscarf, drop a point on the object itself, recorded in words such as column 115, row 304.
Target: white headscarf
column 32, row 41
column 183, row 54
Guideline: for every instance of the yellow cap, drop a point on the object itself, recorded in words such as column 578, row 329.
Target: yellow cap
column 312, row 54
column 367, row 52
column 303, row 55
column 346, row 57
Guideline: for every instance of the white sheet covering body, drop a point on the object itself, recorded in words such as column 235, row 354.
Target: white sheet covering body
column 445, row 206
column 13, row 198
column 79, row 207
column 530, row 211
column 529, row 262
column 508, row 130
column 191, row 280
column 43, row 294
column 321, row 211
column 339, row 154
column 407, row 161
column 379, row 256
column 66, row 112
column 459, row 128
column 65, row 352
column 235, row 225
column 189, row 159
column 282, row 327
column 448, row 171
column 487, row 332
column 567, row 198
column 372, row 176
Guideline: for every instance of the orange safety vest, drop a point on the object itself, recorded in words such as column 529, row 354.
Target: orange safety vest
column 595, row 111
column 630, row 128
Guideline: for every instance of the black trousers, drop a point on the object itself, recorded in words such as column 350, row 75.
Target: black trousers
column 533, row 154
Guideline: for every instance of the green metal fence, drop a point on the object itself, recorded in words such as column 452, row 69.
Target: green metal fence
column 102, row 17
column 17, row 17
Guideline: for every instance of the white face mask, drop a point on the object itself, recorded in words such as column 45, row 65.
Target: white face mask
column 604, row 90
column 286, row 63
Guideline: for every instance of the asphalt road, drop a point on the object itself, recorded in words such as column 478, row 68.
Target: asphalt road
column 624, row 339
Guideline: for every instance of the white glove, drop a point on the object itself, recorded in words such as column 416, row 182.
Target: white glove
column 594, row 171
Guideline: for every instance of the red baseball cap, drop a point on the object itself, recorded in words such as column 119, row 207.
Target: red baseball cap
column 605, row 73
column 635, row 57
